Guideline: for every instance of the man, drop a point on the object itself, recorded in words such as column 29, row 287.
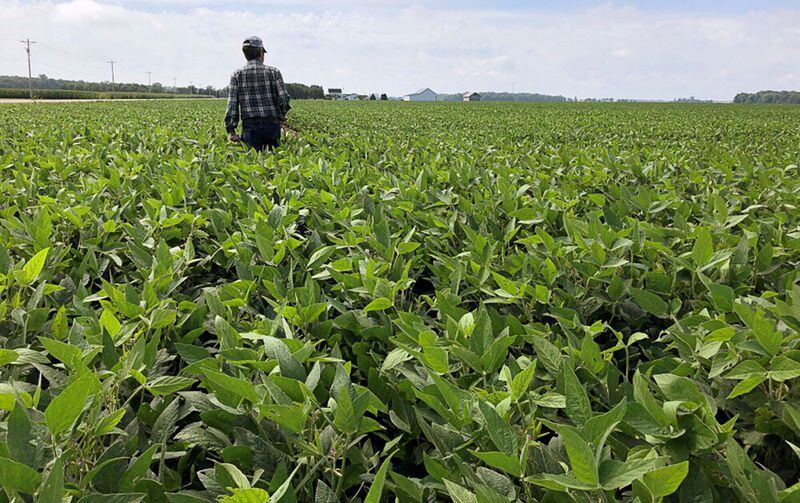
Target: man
column 258, row 96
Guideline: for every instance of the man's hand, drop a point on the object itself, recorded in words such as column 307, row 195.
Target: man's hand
column 234, row 137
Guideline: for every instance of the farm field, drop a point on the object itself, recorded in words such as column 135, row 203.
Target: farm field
column 415, row 302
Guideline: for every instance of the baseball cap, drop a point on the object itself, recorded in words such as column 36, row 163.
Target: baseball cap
column 254, row 42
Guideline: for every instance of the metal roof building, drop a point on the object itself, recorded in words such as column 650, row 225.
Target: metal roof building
column 422, row 95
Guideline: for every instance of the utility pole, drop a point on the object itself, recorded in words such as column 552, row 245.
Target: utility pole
column 112, row 72
column 28, row 43
column 148, row 81
column 174, row 85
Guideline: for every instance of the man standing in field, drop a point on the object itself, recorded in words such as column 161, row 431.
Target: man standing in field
column 258, row 96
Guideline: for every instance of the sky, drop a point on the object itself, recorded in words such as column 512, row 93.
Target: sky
column 619, row 49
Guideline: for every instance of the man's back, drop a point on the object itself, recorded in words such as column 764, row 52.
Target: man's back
column 261, row 91
column 257, row 96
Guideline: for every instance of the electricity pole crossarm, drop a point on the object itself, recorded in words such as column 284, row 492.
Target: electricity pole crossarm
column 28, row 43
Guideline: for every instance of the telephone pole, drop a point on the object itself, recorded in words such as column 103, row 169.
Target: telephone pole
column 148, row 81
column 28, row 43
column 112, row 72
column 174, row 85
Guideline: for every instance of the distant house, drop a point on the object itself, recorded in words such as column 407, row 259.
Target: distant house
column 349, row 97
column 421, row 95
column 472, row 96
column 334, row 93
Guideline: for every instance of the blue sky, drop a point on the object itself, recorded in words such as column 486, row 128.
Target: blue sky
column 621, row 49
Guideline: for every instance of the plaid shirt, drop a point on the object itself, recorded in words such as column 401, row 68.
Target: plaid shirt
column 259, row 92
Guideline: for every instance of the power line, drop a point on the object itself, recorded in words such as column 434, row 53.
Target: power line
column 28, row 43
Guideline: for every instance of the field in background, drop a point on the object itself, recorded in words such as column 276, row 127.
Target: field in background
column 64, row 94
column 466, row 301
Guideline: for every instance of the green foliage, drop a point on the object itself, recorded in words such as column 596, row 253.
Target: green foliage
column 411, row 302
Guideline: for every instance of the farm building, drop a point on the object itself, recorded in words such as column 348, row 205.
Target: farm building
column 334, row 93
column 472, row 96
column 421, row 95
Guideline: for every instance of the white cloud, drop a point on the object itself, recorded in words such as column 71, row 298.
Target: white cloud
column 607, row 50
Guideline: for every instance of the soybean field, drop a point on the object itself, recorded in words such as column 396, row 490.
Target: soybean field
column 412, row 302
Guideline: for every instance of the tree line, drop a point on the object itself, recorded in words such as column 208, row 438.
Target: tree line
column 792, row 97
column 491, row 96
column 43, row 82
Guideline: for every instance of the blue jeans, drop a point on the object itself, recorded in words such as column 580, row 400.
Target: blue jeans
column 261, row 133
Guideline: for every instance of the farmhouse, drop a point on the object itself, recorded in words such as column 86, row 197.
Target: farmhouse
column 421, row 95
column 472, row 96
column 334, row 93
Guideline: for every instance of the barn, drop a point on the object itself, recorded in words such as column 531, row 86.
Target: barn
column 472, row 96
column 421, row 95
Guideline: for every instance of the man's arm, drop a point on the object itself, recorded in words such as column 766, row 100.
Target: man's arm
column 283, row 95
column 232, row 113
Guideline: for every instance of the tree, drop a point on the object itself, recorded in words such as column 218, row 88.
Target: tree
column 372, row 97
column 384, row 97
column 792, row 97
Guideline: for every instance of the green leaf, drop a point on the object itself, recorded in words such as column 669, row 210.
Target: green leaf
column 747, row 385
column 291, row 417
column 665, row 481
column 110, row 323
column 18, row 476
column 650, row 302
column 71, row 356
column 376, row 488
column 499, row 431
column 722, row 296
column 501, row 461
column 283, row 488
column 522, row 381
column 246, row 495
column 764, row 330
column 345, row 416
column 598, row 428
column 703, row 248
column 324, row 494
column 459, row 493
column 276, row 348
column 380, row 304
column 52, row 490
column 20, row 439
column 138, row 468
column 581, row 457
column 109, row 422
column 783, row 368
column 578, row 407
column 235, row 385
column 32, row 268
column 230, row 477
column 114, row 498
column 166, row 385
column 64, row 409
column 8, row 356
column 617, row 475
column 405, row 248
